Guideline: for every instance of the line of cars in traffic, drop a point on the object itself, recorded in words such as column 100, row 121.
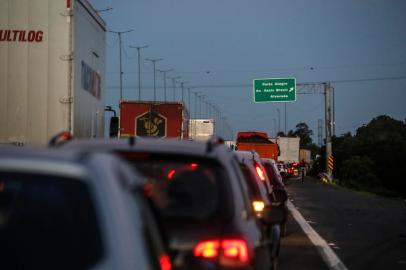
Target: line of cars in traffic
column 139, row 203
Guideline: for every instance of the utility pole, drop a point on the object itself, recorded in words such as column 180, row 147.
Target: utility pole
column 164, row 72
column 181, row 87
column 174, row 85
column 154, row 63
column 119, row 33
column 200, row 106
column 196, row 93
column 286, row 132
column 274, row 125
column 139, row 67
column 329, row 150
column 320, row 132
column 210, row 110
column 182, row 93
column 334, row 111
column 188, row 103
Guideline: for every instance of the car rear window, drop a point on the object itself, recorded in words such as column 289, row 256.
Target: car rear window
column 273, row 175
column 47, row 222
column 250, row 179
column 182, row 188
column 270, row 172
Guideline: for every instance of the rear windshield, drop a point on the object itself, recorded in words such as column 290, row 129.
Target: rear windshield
column 47, row 222
column 182, row 188
column 273, row 175
column 255, row 194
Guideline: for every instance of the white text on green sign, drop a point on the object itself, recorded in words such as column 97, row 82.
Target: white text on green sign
column 274, row 90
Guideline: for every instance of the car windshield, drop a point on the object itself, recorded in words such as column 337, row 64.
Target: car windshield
column 47, row 222
column 182, row 188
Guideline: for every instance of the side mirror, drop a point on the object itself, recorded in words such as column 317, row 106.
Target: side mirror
column 114, row 126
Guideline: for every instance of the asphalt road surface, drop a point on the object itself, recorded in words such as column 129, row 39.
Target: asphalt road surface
column 364, row 231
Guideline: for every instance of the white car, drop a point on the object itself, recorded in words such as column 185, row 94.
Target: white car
column 71, row 210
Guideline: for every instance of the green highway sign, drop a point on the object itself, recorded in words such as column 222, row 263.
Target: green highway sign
column 274, row 90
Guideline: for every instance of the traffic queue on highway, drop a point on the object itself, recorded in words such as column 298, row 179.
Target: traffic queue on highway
column 139, row 203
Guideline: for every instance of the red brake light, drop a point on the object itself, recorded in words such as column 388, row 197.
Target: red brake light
column 170, row 174
column 194, row 166
column 231, row 252
column 260, row 172
column 207, row 249
column 165, row 262
column 235, row 249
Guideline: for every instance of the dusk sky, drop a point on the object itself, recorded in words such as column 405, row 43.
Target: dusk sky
column 357, row 45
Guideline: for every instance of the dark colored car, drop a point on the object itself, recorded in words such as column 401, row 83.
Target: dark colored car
column 261, row 193
column 273, row 174
column 280, row 195
column 202, row 196
column 69, row 210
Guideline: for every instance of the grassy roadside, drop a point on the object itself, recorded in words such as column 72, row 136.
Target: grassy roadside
column 365, row 193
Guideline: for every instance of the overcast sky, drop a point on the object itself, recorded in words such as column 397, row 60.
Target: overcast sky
column 230, row 42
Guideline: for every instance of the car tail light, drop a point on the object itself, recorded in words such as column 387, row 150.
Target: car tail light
column 165, row 262
column 258, row 206
column 260, row 172
column 171, row 174
column 207, row 249
column 194, row 166
column 229, row 252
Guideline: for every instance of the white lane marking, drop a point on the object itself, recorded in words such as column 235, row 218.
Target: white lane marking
column 328, row 255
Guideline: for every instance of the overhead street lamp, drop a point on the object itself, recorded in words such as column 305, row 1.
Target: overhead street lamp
column 104, row 10
column 139, row 67
column 119, row 33
column 164, row 72
column 154, row 60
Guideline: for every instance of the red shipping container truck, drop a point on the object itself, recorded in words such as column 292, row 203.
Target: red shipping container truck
column 153, row 119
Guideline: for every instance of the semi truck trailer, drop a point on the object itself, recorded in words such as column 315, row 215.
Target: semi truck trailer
column 52, row 65
column 201, row 129
column 153, row 119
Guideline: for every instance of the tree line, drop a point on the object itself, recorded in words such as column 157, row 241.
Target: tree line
column 372, row 159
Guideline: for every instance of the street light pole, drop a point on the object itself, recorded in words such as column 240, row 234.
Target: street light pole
column 286, row 132
column 279, row 120
column 139, row 67
column 173, row 85
column 164, row 72
column 121, row 66
column 200, row 106
column 188, row 96
column 154, row 60
column 181, row 87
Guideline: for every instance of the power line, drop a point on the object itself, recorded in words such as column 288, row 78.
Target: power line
column 210, row 71
column 298, row 84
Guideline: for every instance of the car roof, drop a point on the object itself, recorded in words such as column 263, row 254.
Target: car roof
column 168, row 146
column 247, row 155
column 55, row 161
column 40, row 153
